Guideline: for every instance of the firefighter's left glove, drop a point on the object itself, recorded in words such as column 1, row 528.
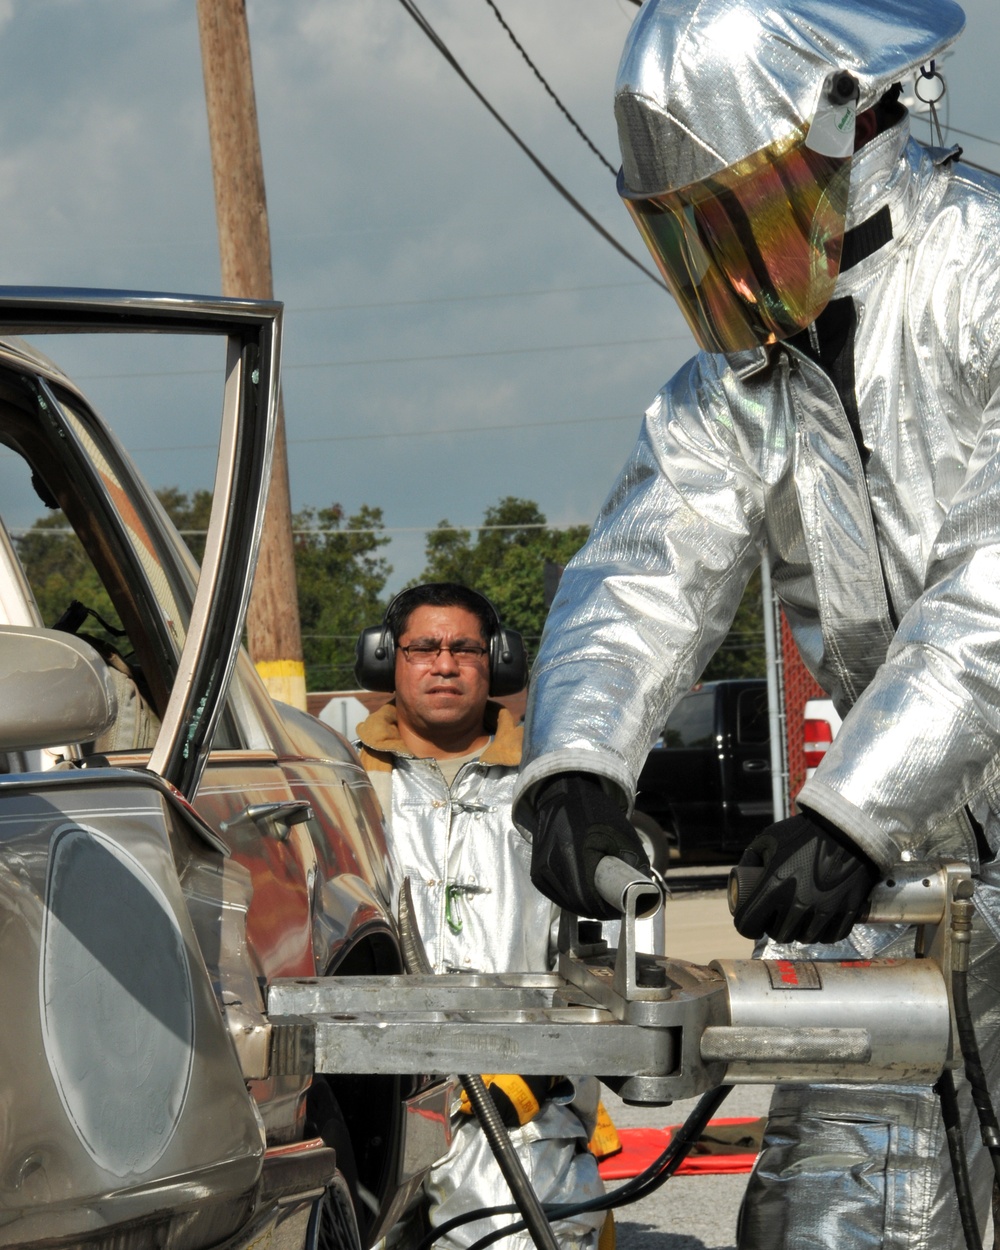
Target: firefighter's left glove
column 576, row 823
column 518, row 1099
column 812, row 885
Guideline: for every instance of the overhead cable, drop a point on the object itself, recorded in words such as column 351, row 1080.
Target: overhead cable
column 555, row 99
column 411, row 8
column 56, row 531
column 424, row 358
column 293, row 310
column 968, row 134
column 450, row 431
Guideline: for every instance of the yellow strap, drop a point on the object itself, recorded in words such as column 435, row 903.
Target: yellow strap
column 606, row 1237
column 604, row 1141
column 524, row 1102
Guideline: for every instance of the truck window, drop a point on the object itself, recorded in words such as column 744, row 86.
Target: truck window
column 691, row 723
column 752, row 725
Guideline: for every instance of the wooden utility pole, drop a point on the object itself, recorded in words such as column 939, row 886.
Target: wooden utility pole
column 273, row 630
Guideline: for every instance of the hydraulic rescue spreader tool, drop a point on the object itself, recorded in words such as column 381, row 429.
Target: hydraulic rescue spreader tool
column 656, row 1029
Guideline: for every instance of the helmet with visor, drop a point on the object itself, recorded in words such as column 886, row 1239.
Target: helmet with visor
column 736, row 124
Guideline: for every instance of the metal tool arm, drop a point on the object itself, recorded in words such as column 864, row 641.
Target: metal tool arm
column 654, row 1028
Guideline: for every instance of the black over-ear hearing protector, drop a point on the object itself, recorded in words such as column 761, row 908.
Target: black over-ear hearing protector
column 375, row 653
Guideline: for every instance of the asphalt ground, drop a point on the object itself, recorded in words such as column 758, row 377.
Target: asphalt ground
column 688, row 1212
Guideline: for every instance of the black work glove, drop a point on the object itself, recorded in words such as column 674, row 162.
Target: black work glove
column 813, row 884
column 576, row 823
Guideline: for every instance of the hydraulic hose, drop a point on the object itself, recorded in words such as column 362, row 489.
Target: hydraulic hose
column 532, row 1212
column 415, row 961
column 945, row 1089
column 963, row 910
column 657, row 1174
column 962, row 913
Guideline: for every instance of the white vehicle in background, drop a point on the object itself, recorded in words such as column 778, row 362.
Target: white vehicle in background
column 821, row 722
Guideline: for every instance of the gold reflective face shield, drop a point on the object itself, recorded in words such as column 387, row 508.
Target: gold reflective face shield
column 752, row 253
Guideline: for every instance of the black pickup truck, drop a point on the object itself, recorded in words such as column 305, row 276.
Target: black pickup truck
column 707, row 781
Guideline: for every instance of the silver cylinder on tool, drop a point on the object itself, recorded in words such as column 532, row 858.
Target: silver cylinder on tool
column 797, row 1021
column 882, row 1021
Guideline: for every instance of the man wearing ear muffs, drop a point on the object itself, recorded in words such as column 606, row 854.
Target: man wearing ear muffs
column 842, row 420
column 442, row 757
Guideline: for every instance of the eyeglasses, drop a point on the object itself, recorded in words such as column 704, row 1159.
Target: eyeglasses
column 465, row 654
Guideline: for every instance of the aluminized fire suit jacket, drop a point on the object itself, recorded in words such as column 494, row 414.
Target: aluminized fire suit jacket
column 865, row 457
column 477, row 911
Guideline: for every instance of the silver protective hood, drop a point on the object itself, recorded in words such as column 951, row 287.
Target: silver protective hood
column 704, row 83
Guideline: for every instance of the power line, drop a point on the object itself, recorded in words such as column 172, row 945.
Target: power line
column 368, row 361
column 451, row 431
column 961, row 158
column 500, row 351
column 969, row 134
column 444, row 432
column 986, row 169
column 64, row 532
column 411, row 8
column 456, row 299
column 558, row 103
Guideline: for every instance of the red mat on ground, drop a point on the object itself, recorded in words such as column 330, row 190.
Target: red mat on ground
column 641, row 1146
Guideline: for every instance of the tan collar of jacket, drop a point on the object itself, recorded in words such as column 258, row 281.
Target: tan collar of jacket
column 380, row 740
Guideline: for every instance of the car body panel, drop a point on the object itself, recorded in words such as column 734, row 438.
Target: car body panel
column 122, row 1095
column 820, row 724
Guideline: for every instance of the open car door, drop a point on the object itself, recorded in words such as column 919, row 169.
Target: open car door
column 211, row 644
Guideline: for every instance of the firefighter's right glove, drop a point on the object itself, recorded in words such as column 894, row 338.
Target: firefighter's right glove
column 812, row 885
column 576, row 823
column 517, row 1098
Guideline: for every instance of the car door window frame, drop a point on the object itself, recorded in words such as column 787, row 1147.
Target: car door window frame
column 251, row 329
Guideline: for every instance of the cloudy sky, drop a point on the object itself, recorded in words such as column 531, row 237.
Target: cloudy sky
column 454, row 331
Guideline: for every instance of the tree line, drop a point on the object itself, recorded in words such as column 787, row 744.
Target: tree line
column 513, row 558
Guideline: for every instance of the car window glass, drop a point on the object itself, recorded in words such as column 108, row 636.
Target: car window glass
column 752, row 725
column 47, row 577
column 129, row 602
column 46, row 565
column 138, row 533
column 690, row 723
column 163, row 575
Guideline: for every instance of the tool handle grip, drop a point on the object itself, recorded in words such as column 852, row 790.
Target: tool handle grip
column 622, row 886
column 742, row 880
column 914, row 893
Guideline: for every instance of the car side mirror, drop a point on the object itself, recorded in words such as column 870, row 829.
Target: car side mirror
column 55, row 689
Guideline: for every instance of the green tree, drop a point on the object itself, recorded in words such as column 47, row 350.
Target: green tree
column 340, row 575
column 190, row 513
column 506, row 560
column 341, row 578
column 59, row 570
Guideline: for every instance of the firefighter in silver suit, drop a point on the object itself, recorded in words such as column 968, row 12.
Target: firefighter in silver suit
column 843, row 416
